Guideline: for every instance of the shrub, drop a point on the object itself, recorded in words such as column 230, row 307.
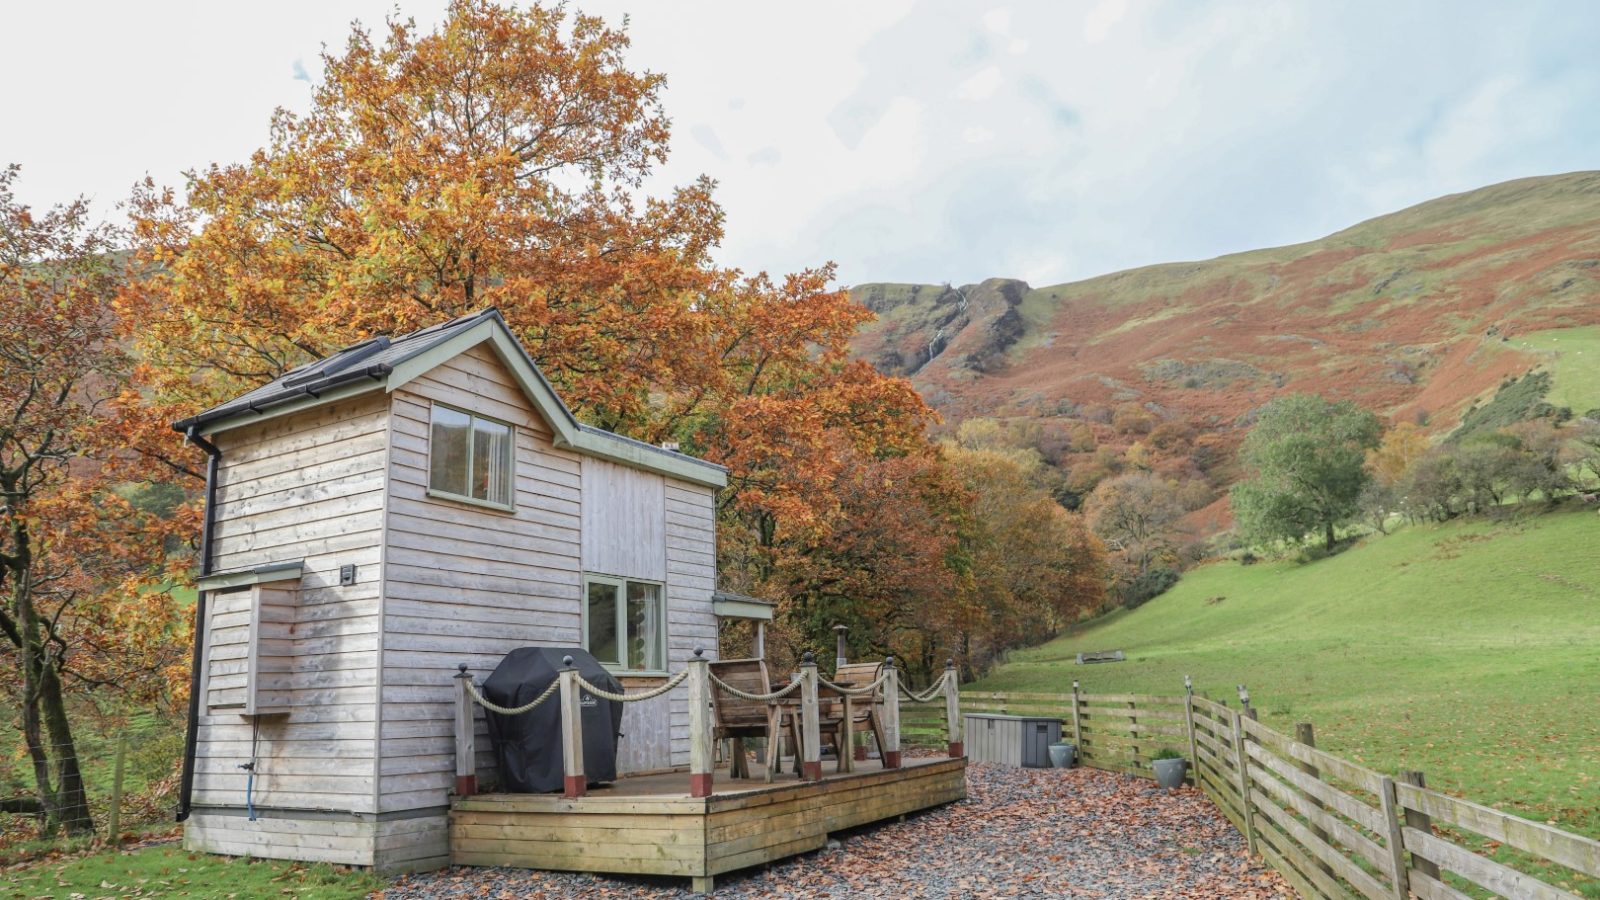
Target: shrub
column 1166, row 753
column 1146, row 585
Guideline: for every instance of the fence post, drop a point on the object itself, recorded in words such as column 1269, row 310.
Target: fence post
column 891, row 714
column 1422, row 822
column 1306, row 733
column 466, row 735
column 810, row 727
column 114, row 830
column 701, row 742
column 1188, row 723
column 577, row 784
column 1077, row 726
column 952, row 709
column 1244, row 700
column 1246, row 805
column 1396, row 842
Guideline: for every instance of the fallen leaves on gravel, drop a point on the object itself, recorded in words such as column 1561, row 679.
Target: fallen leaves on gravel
column 1077, row 833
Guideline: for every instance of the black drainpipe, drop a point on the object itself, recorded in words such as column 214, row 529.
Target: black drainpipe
column 186, row 787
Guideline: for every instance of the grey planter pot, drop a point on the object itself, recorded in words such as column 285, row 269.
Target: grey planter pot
column 1062, row 756
column 1169, row 772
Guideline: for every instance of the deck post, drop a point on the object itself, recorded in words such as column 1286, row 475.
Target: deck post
column 577, row 784
column 810, row 721
column 891, row 714
column 952, row 709
column 700, row 730
column 466, row 735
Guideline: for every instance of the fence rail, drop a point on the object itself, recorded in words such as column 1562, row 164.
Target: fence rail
column 1331, row 827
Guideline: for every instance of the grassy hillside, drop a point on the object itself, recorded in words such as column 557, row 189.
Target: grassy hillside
column 1470, row 651
column 1416, row 315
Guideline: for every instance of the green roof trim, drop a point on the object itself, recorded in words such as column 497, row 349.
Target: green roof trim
column 221, row 581
column 728, row 605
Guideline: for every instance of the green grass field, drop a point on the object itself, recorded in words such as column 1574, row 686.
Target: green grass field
column 169, row 871
column 1470, row 651
column 1573, row 356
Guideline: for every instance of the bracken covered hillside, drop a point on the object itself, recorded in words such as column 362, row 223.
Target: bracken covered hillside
column 1413, row 314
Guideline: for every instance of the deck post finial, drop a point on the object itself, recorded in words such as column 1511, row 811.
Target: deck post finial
column 699, row 652
column 462, row 669
column 808, row 659
column 566, row 661
column 950, row 663
column 889, row 661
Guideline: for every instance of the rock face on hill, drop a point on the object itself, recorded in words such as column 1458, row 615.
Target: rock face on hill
column 1409, row 314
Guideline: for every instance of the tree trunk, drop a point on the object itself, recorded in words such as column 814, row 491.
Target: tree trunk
column 66, row 803
column 1328, row 535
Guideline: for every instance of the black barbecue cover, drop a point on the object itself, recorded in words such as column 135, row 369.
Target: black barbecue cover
column 528, row 746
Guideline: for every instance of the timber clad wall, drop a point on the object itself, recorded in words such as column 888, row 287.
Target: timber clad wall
column 301, row 487
column 469, row 584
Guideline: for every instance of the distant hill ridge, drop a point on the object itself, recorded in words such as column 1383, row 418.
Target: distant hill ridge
column 1407, row 313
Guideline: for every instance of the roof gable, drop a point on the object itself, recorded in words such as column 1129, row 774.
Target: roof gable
column 388, row 364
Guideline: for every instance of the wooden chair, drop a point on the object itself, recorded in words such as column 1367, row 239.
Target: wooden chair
column 864, row 715
column 736, row 718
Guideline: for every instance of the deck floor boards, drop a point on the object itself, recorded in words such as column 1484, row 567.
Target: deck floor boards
column 649, row 824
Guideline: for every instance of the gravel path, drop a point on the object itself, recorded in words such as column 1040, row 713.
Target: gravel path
column 1020, row 833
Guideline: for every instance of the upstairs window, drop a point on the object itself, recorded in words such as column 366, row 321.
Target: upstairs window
column 469, row 458
column 625, row 624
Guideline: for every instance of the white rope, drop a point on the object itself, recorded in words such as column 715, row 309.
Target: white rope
column 651, row 694
column 776, row 695
column 495, row 707
column 925, row 697
column 855, row 692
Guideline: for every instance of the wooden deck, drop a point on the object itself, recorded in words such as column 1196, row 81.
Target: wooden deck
column 651, row 825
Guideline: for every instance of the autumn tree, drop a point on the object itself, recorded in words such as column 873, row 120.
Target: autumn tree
column 1305, row 460
column 73, row 551
column 499, row 160
column 1137, row 515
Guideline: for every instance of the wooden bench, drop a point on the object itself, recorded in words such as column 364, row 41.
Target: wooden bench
column 1100, row 656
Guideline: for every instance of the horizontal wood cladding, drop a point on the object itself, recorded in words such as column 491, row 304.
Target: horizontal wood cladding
column 305, row 487
column 465, row 584
column 688, row 837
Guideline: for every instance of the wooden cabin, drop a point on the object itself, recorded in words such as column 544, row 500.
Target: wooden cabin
column 377, row 518
column 408, row 506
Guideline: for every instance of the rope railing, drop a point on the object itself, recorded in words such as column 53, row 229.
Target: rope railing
column 759, row 698
column 927, row 696
column 491, row 706
column 854, row 692
column 651, row 694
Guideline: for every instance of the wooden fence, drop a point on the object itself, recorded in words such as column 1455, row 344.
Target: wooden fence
column 1332, row 828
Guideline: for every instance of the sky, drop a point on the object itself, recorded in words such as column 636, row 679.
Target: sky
column 913, row 141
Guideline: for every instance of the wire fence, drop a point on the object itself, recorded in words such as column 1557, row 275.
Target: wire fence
column 129, row 776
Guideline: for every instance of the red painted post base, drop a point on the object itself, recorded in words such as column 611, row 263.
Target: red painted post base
column 861, row 753
column 957, row 750
column 891, row 759
column 811, row 771
column 466, row 785
column 700, row 785
column 576, row 786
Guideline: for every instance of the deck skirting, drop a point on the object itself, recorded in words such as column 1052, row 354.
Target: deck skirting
column 620, row 831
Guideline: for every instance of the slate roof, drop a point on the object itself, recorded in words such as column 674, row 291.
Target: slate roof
column 372, row 358
column 377, row 358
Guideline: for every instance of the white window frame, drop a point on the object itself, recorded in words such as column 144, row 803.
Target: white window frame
column 621, row 584
column 511, row 471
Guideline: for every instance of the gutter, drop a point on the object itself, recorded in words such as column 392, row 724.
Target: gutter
column 186, row 785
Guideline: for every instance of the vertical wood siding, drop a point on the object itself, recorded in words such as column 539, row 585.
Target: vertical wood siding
column 306, row 487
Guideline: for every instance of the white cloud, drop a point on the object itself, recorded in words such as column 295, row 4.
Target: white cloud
column 982, row 85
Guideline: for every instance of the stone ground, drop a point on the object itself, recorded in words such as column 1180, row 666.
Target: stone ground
column 1020, row 833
